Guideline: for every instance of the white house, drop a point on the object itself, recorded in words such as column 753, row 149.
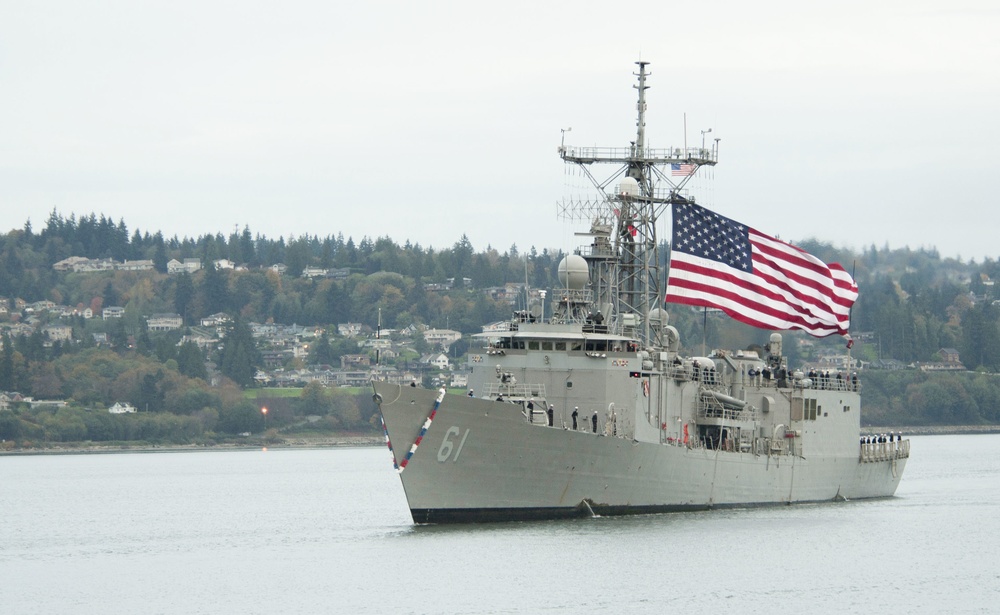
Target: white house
column 120, row 408
column 58, row 332
column 438, row 360
column 189, row 265
column 112, row 311
column 350, row 329
column 313, row 272
column 70, row 264
column 202, row 341
column 164, row 322
column 445, row 337
column 215, row 320
column 139, row 265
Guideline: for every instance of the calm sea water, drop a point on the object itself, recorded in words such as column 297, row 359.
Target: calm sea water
column 327, row 531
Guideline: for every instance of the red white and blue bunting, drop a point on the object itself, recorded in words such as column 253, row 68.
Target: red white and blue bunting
column 423, row 431
column 388, row 442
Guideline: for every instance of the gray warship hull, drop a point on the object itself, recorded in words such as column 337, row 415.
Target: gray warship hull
column 480, row 460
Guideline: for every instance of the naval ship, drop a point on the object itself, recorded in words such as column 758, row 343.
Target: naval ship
column 595, row 408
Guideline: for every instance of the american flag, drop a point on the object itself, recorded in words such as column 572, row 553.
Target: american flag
column 756, row 279
column 681, row 169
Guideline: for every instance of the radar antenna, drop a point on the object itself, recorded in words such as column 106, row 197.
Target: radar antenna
column 624, row 253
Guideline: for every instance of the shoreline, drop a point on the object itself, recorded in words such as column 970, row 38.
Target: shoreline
column 354, row 441
column 97, row 448
column 933, row 430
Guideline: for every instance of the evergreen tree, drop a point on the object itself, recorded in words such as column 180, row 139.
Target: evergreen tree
column 118, row 336
column 214, row 289
column 247, row 248
column 150, row 396
column 321, row 352
column 159, row 253
column 7, row 364
column 110, row 296
column 190, row 361
column 183, row 294
column 239, row 357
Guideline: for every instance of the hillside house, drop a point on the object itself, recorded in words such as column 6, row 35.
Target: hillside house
column 164, row 322
column 189, row 265
column 112, row 311
column 218, row 319
column 949, row 355
column 437, row 360
column 313, row 272
column 355, row 361
column 350, row 329
column 139, row 265
column 58, row 332
column 445, row 337
column 121, row 408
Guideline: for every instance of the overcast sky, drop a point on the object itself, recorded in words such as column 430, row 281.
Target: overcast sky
column 856, row 123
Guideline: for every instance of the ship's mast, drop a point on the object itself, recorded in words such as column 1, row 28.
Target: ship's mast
column 624, row 255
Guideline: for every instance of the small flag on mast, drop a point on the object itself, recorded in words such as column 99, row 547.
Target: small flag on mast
column 681, row 170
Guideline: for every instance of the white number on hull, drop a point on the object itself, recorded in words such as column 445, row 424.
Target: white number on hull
column 444, row 453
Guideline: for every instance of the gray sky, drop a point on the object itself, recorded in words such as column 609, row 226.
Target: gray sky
column 855, row 123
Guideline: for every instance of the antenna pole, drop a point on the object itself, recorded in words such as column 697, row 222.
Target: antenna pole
column 624, row 255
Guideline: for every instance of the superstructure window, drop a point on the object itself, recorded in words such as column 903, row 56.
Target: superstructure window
column 810, row 410
column 533, row 345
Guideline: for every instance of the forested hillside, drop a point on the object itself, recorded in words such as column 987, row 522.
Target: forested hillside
column 913, row 304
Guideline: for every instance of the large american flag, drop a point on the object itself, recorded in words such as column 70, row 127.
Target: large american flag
column 756, row 279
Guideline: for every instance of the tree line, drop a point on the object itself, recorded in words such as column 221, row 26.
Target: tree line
column 912, row 304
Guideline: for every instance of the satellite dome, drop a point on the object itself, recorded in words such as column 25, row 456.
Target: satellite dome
column 573, row 272
column 628, row 187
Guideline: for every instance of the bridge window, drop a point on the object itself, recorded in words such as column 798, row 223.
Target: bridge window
column 533, row 345
column 560, row 345
column 546, row 345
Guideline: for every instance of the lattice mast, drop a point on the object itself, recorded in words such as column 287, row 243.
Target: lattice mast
column 624, row 253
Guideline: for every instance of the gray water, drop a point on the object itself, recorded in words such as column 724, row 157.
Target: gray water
column 327, row 531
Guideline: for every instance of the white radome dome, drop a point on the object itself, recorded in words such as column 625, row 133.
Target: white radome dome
column 573, row 272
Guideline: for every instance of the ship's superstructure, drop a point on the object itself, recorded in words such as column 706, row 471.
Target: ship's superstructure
column 596, row 409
